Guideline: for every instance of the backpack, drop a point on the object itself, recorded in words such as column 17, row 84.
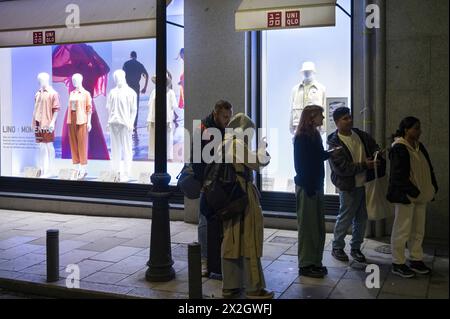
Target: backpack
column 188, row 183
column 224, row 194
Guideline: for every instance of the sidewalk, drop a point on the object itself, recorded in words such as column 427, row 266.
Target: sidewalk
column 112, row 254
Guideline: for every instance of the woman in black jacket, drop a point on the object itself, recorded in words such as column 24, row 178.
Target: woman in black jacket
column 309, row 156
column 412, row 184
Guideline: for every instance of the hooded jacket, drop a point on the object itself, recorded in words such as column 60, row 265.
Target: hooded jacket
column 344, row 170
column 411, row 178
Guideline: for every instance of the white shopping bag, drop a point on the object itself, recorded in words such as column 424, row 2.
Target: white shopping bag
column 377, row 205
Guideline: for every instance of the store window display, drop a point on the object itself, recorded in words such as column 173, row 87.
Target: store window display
column 46, row 108
column 122, row 111
column 79, row 123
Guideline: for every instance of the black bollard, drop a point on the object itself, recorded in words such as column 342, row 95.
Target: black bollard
column 52, row 255
column 195, row 271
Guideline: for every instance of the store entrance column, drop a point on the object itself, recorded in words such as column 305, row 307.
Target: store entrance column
column 160, row 262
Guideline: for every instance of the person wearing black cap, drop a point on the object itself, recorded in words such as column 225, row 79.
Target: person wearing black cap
column 351, row 167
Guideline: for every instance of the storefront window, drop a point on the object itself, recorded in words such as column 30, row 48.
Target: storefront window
column 288, row 57
column 57, row 150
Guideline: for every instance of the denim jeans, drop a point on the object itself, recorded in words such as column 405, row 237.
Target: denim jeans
column 202, row 226
column 352, row 211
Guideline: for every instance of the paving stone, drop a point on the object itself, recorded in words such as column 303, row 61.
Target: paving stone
column 279, row 281
column 274, row 251
column 129, row 265
column 302, row 291
column 22, row 262
column 116, row 254
column 103, row 244
column 65, row 246
column 156, row 294
column 95, row 235
column 18, row 251
column 136, row 280
column 353, row 289
column 185, row 237
column 115, row 289
column 415, row 287
column 142, row 241
column 75, row 256
column 87, row 267
column 15, row 241
column 105, row 277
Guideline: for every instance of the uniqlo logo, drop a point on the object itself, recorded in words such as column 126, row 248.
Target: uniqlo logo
column 274, row 19
column 292, row 18
column 50, row 37
column 38, row 38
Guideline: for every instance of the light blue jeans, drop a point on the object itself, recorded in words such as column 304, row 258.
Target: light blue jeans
column 352, row 211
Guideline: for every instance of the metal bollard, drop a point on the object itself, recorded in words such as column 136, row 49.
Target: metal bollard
column 195, row 271
column 52, row 255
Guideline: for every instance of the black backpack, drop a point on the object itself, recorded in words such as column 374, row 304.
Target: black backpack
column 224, row 194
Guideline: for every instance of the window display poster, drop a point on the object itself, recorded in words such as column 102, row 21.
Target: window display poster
column 332, row 104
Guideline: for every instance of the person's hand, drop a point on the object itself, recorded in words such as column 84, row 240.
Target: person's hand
column 334, row 149
column 89, row 127
column 144, row 90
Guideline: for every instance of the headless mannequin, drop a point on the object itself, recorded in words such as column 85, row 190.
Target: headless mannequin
column 308, row 92
column 46, row 149
column 77, row 81
column 121, row 106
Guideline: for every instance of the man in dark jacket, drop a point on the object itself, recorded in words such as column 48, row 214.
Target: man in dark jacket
column 218, row 119
column 352, row 166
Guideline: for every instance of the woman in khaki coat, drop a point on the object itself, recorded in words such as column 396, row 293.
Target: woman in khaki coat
column 242, row 244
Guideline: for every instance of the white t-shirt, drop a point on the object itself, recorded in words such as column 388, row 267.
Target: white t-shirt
column 356, row 148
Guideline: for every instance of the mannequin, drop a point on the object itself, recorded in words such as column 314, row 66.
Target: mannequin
column 122, row 111
column 79, row 122
column 171, row 105
column 46, row 108
column 306, row 93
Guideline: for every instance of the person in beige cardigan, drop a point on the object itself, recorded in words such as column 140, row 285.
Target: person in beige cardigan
column 242, row 245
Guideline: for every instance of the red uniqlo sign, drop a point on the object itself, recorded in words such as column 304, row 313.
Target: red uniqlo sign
column 274, row 19
column 293, row 18
column 38, row 38
column 50, row 37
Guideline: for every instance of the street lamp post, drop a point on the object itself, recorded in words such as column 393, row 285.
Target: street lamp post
column 160, row 262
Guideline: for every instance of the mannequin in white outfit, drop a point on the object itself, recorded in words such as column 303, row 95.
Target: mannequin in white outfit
column 306, row 93
column 44, row 119
column 122, row 111
column 171, row 105
column 77, row 81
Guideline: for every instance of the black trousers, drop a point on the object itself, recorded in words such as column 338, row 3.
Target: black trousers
column 136, row 89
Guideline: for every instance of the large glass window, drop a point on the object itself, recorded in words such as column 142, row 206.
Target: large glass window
column 51, row 155
column 284, row 53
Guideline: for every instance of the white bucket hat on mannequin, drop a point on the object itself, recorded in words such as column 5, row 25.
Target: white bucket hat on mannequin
column 308, row 66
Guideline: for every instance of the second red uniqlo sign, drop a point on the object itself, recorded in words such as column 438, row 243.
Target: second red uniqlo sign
column 292, row 18
column 274, row 19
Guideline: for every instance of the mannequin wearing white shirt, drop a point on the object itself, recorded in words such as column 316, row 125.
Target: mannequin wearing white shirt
column 306, row 93
column 122, row 111
column 171, row 105
column 46, row 149
column 77, row 81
